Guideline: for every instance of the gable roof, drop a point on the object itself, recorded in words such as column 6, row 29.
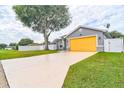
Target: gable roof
column 85, row 27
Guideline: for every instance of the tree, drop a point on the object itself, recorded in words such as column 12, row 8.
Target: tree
column 3, row 46
column 116, row 34
column 44, row 19
column 13, row 45
column 48, row 42
column 25, row 41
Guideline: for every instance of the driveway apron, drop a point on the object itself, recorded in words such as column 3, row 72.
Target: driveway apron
column 45, row 71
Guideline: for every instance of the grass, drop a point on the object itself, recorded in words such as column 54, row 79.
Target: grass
column 9, row 54
column 103, row 70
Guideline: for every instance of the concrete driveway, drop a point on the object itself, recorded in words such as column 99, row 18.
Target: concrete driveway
column 48, row 71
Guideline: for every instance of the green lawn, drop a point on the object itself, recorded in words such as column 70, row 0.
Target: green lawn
column 9, row 54
column 103, row 70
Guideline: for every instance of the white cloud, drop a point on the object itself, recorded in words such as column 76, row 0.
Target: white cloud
column 12, row 30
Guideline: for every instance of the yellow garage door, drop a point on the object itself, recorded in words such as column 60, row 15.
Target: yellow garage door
column 85, row 44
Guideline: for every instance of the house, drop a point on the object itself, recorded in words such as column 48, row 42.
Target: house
column 83, row 38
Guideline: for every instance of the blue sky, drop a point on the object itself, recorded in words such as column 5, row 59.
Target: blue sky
column 12, row 30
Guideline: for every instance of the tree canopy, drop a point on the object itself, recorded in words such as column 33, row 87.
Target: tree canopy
column 25, row 41
column 116, row 34
column 3, row 46
column 12, row 44
column 43, row 18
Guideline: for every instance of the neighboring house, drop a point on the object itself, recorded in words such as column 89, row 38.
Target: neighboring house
column 60, row 43
column 83, row 39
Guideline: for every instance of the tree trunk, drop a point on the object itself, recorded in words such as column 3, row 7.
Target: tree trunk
column 46, row 40
column 46, row 43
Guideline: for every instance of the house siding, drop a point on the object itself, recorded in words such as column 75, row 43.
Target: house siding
column 60, row 44
column 85, row 32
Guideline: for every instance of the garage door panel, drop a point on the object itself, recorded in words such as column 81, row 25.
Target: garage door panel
column 83, row 44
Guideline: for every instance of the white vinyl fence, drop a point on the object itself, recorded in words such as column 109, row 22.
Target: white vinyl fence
column 39, row 47
column 114, row 45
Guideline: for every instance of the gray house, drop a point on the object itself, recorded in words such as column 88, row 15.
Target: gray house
column 82, row 39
